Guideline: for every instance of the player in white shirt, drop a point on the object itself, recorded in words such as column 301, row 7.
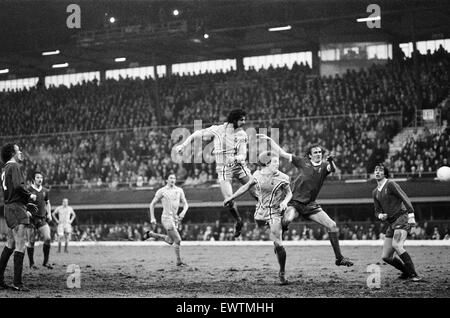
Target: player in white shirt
column 230, row 150
column 66, row 215
column 170, row 197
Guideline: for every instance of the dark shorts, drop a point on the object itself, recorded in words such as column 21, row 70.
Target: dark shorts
column 37, row 223
column 401, row 223
column 15, row 214
column 305, row 210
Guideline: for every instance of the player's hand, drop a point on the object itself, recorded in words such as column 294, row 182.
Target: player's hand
column 181, row 217
column 33, row 197
column 263, row 136
column 382, row 216
column 29, row 214
column 411, row 220
column 227, row 202
column 153, row 221
column 283, row 206
column 179, row 149
column 330, row 158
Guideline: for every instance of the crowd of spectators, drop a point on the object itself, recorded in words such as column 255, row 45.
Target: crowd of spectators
column 423, row 153
column 350, row 123
column 224, row 232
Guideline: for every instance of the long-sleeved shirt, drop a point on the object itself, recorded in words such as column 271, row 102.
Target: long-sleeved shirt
column 391, row 200
column 13, row 184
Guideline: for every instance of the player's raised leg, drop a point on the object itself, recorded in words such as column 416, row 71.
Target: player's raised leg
column 323, row 219
column 157, row 236
column 227, row 191
column 288, row 217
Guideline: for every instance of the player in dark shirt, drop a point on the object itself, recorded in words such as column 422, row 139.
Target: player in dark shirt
column 393, row 207
column 16, row 197
column 312, row 173
column 39, row 220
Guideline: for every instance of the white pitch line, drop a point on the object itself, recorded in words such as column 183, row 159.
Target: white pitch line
column 254, row 243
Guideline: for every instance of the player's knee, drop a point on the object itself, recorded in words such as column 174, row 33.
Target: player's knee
column 47, row 240
column 332, row 226
column 277, row 244
column 30, row 244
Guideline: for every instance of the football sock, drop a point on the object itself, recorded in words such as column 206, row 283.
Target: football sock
column 4, row 258
column 177, row 252
column 46, row 249
column 397, row 263
column 18, row 267
column 59, row 247
column 30, row 252
column 408, row 263
column 335, row 244
column 281, row 256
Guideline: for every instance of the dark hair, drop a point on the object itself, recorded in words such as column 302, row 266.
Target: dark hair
column 235, row 115
column 385, row 169
column 310, row 148
column 37, row 172
column 170, row 174
column 8, row 152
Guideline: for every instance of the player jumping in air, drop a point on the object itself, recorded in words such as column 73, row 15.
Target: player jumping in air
column 66, row 215
column 230, row 149
column 312, row 173
column 394, row 207
column 170, row 196
column 39, row 220
column 17, row 217
column 274, row 193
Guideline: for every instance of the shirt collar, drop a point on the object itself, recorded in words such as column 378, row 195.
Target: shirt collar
column 382, row 185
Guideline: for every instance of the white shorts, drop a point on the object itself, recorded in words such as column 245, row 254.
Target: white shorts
column 267, row 216
column 64, row 229
column 237, row 171
column 169, row 223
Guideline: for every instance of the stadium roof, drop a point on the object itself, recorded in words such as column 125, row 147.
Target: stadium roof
column 235, row 28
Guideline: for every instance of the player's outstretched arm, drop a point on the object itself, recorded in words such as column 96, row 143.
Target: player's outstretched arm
column 185, row 206
column 240, row 191
column 199, row 133
column 276, row 148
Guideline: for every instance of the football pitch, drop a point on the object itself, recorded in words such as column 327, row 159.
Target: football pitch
column 228, row 271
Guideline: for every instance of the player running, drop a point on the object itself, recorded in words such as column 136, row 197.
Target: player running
column 393, row 206
column 312, row 173
column 274, row 193
column 39, row 220
column 170, row 196
column 230, row 150
column 16, row 196
column 66, row 215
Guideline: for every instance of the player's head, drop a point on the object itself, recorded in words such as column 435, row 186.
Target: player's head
column 237, row 118
column 11, row 151
column 171, row 179
column 269, row 159
column 315, row 153
column 381, row 171
column 38, row 178
column 65, row 202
